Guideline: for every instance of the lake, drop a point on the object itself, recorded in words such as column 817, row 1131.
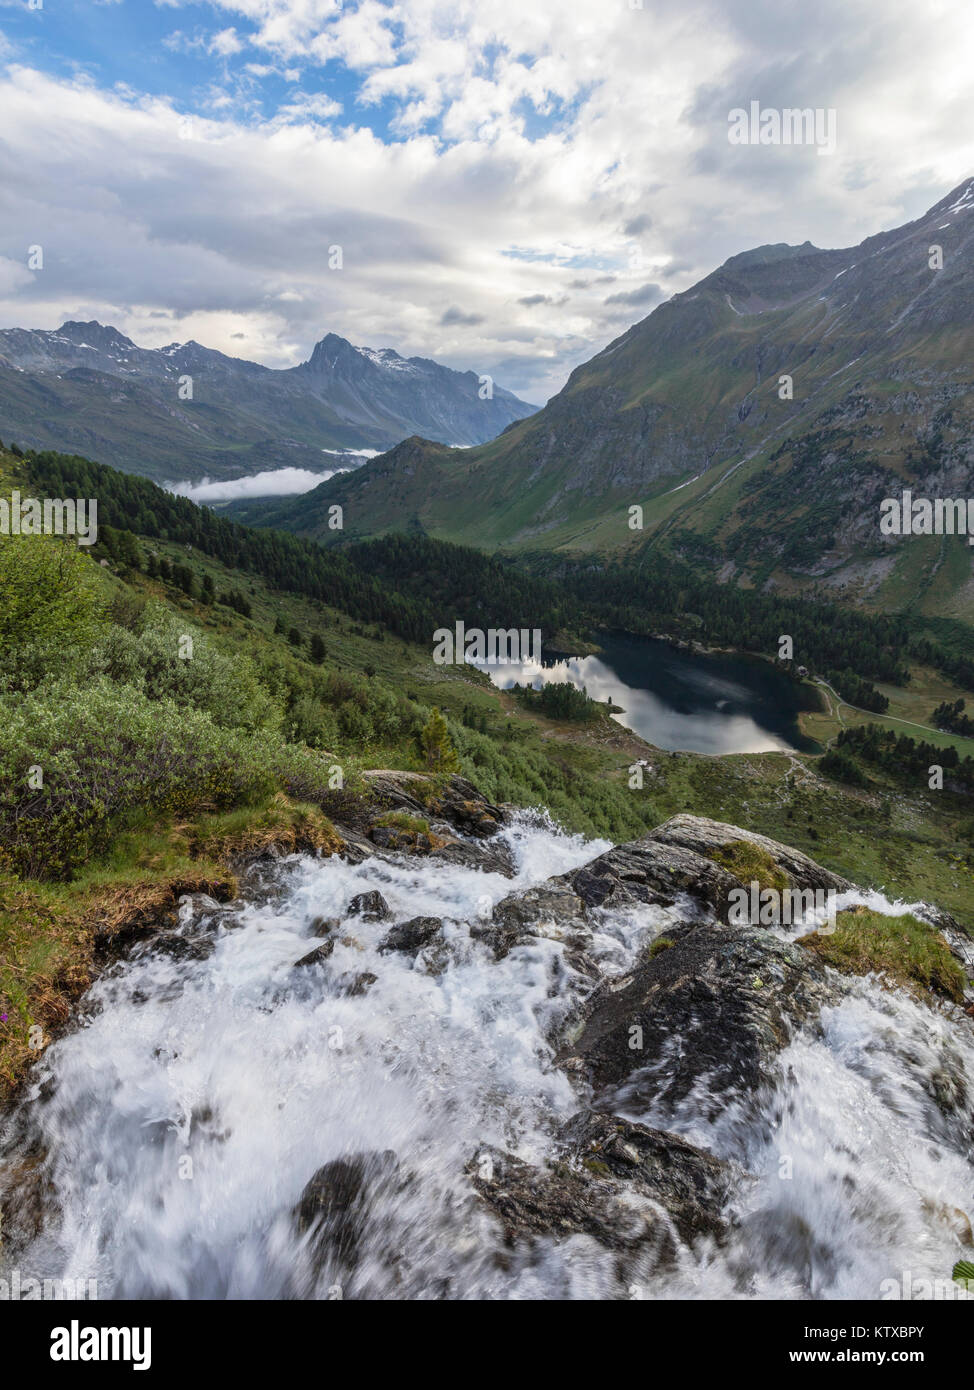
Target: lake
column 678, row 699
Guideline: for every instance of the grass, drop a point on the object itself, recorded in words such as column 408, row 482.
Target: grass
column 749, row 863
column 903, row 949
column 402, row 820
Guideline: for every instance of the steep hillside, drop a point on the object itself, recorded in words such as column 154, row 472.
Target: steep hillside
column 684, row 415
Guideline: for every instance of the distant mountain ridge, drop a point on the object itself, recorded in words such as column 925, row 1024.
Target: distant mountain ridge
column 86, row 388
column 757, row 419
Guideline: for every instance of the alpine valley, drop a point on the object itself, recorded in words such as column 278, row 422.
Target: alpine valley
column 758, row 419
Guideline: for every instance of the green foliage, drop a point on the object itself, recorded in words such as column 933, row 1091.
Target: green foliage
column 841, row 768
column 436, row 747
column 52, row 607
column 749, row 863
column 907, row 950
column 168, row 658
column 103, row 752
column 904, row 758
column 561, row 701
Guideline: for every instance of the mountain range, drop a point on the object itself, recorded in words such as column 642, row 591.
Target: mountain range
column 758, row 420
column 85, row 388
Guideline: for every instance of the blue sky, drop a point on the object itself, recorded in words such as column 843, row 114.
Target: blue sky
column 511, row 185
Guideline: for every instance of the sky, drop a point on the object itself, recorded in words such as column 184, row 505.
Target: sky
column 511, row 184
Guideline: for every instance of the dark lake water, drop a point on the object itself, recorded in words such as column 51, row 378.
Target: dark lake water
column 680, row 700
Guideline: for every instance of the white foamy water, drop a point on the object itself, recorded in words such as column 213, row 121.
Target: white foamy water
column 183, row 1120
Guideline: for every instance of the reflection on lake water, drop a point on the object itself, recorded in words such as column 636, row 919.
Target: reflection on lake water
column 678, row 699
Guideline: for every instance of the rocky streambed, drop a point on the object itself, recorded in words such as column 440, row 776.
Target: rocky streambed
column 473, row 1057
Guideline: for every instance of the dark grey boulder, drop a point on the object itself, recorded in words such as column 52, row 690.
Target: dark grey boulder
column 711, row 1012
column 371, row 907
column 410, row 937
column 317, row 956
column 647, row 872
column 603, row 1164
column 334, row 1206
column 550, row 909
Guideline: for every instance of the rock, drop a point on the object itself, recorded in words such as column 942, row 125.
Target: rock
column 711, row 1013
column 647, row 872
column 549, row 909
column 690, row 1184
column 358, row 984
column 703, row 837
column 334, row 1206
column 604, row 1164
column 317, row 956
column 459, row 803
column 489, row 857
column 411, row 936
column 390, row 837
column 371, row 907
column 180, row 947
column 324, row 926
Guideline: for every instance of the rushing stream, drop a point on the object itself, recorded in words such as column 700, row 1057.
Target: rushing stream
column 184, row 1118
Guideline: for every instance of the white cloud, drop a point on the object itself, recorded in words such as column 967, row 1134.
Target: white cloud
column 588, row 138
column 276, row 482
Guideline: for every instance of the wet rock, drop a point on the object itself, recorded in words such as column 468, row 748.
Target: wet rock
column 690, row 1184
column 629, row 1187
column 324, row 926
column 709, row 1014
column 647, row 872
column 703, row 837
column 180, row 947
column 410, row 937
column 551, row 909
column 371, row 907
column 334, row 1206
column 393, row 838
column 359, row 984
column 317, row 956
column 487, row 856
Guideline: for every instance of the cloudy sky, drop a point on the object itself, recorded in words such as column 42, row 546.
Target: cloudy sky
column 512, row 182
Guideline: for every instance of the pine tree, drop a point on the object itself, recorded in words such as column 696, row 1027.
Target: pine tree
column 436, row 746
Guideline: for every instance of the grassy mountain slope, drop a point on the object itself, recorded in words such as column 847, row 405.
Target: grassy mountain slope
column 683, row 416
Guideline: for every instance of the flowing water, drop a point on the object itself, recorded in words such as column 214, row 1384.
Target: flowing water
column 184, row 1116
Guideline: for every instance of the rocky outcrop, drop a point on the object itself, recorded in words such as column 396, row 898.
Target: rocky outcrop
column 631, row 1188
column 410, row 937
column 334, row 1207
column 708, row 1015
column 705, row 838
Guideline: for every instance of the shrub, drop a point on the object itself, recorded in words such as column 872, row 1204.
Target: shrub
column 103, row 753
column 52, row 608
column 150, row 658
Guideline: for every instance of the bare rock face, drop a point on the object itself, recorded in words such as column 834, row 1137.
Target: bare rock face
column 647, row 871
column 410, row 937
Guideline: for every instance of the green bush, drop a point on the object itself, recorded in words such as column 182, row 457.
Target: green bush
column 104, row 753
column 52, row 608
column 167, row 658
